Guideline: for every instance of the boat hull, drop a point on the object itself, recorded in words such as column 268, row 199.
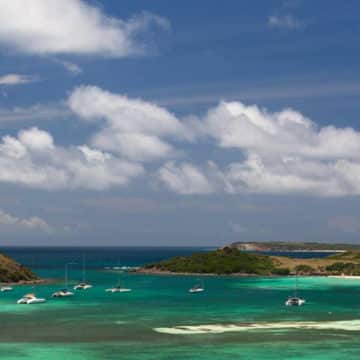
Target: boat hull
column 121, row 290
column 192, row 291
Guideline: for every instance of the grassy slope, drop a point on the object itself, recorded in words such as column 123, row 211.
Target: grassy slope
column 11, row 271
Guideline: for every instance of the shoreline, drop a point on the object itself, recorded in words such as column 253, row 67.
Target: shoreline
column 306, row 251
column 170, row 273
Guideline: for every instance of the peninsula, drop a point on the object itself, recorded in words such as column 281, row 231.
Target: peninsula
column 231, row 261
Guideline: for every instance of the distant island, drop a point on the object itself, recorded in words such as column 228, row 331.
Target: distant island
column 232, row 261
column 282, row 246
column 13, row 272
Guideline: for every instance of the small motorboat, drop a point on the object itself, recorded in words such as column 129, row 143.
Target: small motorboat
column 62, row 293
column 6, row 288
column 30, row 299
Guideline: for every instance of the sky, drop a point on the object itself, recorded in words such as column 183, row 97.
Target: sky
column 192, row 123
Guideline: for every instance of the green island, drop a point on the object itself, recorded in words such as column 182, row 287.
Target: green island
column 231, row 261
column 13, row 272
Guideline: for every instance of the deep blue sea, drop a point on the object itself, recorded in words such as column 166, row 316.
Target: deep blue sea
column 100, row 257
column 96, row 257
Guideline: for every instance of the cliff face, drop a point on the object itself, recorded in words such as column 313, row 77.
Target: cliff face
column 11, row 271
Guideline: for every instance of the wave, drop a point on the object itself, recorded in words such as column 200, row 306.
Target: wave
column 347, row 325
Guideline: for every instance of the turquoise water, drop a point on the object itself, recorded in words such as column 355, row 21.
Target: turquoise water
column 159, row 319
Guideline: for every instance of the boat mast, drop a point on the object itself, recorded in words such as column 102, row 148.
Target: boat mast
column 296, row 285
column 66, row 276
column 84, row 270
column 119, row 274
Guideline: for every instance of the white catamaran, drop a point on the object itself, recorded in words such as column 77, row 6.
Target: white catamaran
column 64, row 292
column 118, row 288
column 30, row 299
column 295, row 300
column 198, row 287
column 83, row 285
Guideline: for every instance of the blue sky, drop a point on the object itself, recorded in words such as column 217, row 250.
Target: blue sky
column 197, row 123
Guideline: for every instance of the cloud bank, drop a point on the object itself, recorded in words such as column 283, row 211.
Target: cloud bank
column 281, row 152
column 262, row 152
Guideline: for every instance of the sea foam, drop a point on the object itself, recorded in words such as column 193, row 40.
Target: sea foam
column 347, row 325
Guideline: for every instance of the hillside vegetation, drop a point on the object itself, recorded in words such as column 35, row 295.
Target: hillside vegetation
column 11, row 271
column 223, row 261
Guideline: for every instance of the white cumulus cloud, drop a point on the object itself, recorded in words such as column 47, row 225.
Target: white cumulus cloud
column 44, row 27
column 130, row 127
column 32, row 159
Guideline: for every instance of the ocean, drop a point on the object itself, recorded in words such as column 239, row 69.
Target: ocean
column 235, row 318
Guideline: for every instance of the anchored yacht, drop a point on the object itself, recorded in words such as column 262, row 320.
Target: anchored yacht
column 295, row 300
column 197, row 288
column 83, row 285
column 30, row 299
column 64, row 292
column 6, row 288
column 117, row 288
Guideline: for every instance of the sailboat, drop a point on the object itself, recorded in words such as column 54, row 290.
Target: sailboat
column 295, row 300
column 198, row 287
column 118, row 287
column 64, row 292
column 83, row 285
